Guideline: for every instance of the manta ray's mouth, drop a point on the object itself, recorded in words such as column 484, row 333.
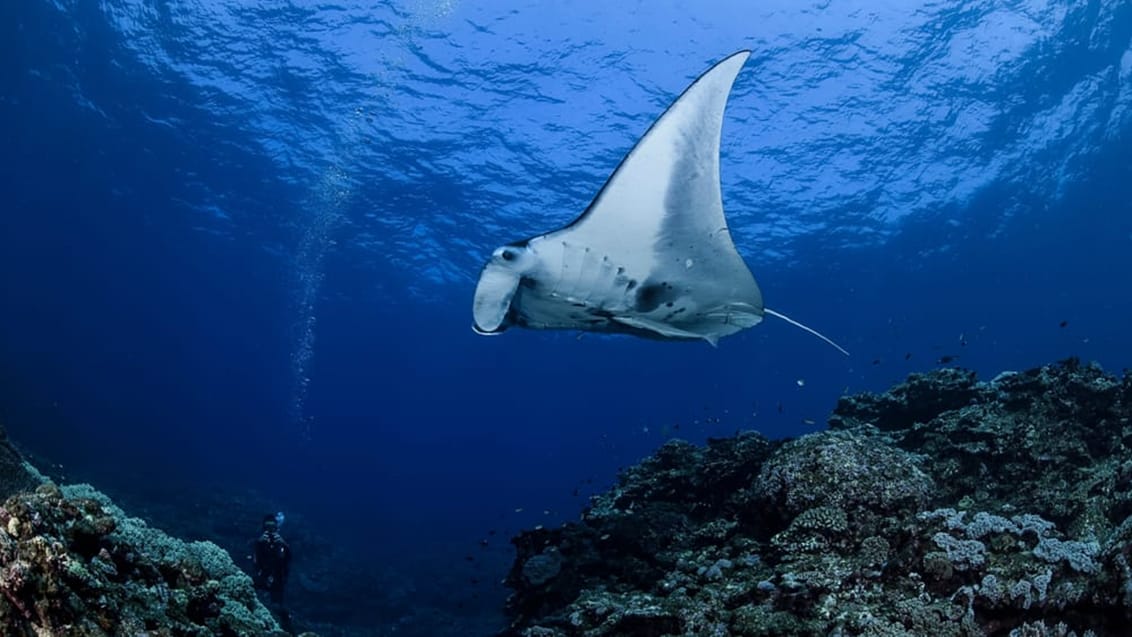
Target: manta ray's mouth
column 482, row 332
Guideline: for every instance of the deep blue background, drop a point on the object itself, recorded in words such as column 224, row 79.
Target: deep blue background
column 204, row 205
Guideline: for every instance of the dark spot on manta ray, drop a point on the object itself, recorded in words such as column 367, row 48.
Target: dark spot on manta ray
column 669, row 304
column 1063, row 324
column 631, row 284
column 649, row 297
column 528, row 282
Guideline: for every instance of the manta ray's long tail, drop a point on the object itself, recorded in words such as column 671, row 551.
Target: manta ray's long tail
column 808, row 329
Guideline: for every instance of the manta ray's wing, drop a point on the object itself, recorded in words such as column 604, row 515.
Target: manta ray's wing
column 660, row 216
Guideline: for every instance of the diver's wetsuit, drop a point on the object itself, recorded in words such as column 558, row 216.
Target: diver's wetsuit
column 272, row 564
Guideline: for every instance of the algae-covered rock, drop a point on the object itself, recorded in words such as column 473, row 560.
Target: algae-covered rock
column 946, row 506
column 853, row 473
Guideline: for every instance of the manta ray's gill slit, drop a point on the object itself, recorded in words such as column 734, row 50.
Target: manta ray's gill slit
column 576, row 279
column 609, row 274
column 562, row 268
column 578, row 289
column 592, row 275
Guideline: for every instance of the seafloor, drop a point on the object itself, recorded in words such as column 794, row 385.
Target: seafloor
column 946, row 506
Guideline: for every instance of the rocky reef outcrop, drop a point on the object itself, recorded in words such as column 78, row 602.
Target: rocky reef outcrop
column 945, row 506
column 72, row 563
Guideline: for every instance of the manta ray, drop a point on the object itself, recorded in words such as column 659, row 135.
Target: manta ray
column 652, row 255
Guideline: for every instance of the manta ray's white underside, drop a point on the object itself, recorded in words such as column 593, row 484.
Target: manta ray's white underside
column 651, row 255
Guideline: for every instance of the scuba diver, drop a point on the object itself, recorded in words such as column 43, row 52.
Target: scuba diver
column 272, row 558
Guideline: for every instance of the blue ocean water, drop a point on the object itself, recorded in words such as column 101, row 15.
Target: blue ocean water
column 239, row 243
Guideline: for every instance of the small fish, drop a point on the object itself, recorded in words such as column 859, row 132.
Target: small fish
column 780, row 407
column 908, row 355
column 1063, row 324
column 801, row 382
column 945, row 359
column 876, row 361
column 807, row 421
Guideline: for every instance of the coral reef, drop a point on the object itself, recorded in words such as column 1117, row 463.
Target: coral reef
column 945, row 506
column 72, row 563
